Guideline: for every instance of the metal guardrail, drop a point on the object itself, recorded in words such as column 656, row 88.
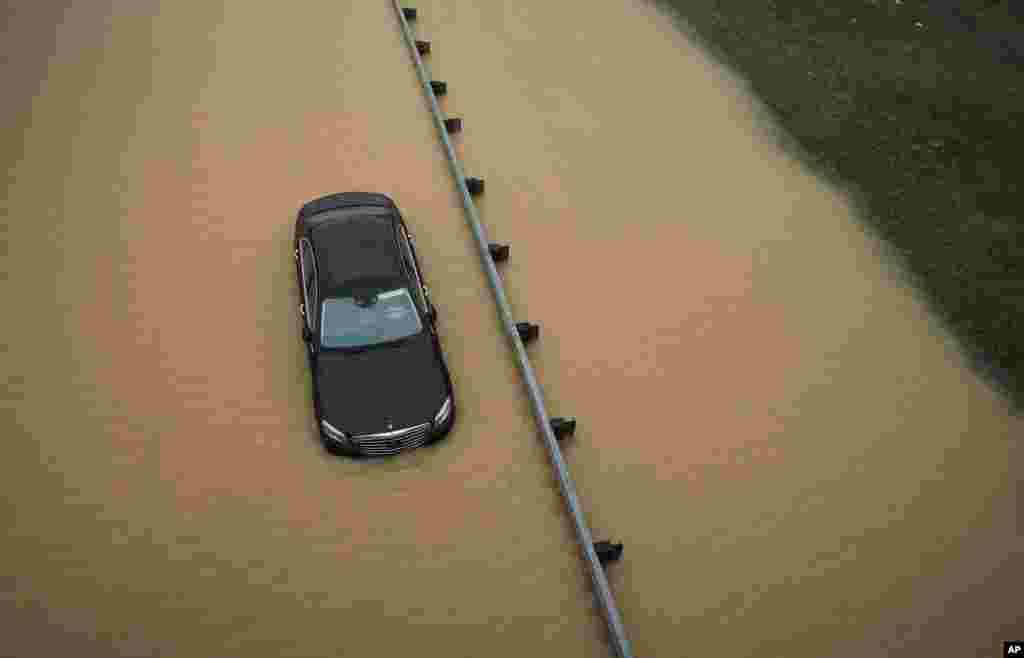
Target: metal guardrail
column 616, row 631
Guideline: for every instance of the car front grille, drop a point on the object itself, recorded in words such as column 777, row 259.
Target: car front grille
column 392, row 443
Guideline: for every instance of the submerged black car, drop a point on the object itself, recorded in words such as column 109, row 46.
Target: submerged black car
column 380, row 383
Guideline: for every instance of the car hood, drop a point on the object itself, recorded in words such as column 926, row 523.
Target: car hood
column 403, row 384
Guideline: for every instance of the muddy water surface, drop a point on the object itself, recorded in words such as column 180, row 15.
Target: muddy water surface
column 165, row 491
column 792, row 451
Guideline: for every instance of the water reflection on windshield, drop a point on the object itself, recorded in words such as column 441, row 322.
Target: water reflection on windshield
column 369, row 320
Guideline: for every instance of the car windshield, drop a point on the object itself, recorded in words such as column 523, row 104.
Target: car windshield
column 370, row 319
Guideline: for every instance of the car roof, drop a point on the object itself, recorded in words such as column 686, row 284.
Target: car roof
column 356, row 247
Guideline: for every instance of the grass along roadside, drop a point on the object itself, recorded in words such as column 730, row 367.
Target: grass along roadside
column 918, row 120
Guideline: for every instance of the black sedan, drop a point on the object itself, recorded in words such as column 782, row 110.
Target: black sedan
column 380, row 383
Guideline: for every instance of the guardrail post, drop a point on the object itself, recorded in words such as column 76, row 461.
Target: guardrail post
column 528, row 332
column 563, row 427
column 453, row 125
column 608, row 552
column 499, row 252
column 475, row 185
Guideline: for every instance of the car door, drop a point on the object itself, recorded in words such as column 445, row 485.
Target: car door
column 422, row 294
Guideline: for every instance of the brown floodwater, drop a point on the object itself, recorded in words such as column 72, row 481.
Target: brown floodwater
column 792, row 450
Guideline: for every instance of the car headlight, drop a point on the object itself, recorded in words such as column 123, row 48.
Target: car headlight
column 444, row 412
column 333, row 432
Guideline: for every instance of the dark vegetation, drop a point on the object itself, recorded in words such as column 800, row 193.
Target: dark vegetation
column 916, row 108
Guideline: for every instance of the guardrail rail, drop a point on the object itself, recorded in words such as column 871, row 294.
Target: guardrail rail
column 602, row 592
